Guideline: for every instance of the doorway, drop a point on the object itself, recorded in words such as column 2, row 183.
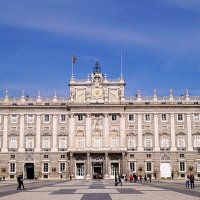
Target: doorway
column 29, row 170
column 165, row 170
column 97, row 170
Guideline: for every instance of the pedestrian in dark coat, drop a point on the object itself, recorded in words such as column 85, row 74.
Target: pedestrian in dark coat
column 19, row 183
column 192, row 181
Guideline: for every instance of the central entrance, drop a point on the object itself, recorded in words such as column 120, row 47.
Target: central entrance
column 29, row 170
column 97, row 170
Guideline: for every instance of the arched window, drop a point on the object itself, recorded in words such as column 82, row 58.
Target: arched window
column 46, row 143
column 180, row 141
column 62, row 142
column 29, row 143
column 114, row 139
column 148, row 141
column 131, row 141
column 196, row 140
column 13, row 143
column 164, row 142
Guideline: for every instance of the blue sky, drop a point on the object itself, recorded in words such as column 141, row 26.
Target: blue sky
column 160, row 41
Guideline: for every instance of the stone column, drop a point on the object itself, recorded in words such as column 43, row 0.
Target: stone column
column 189, row 132
column 38, row 133
column 55, row 129
column 122, row 130
column 71, row 131
column 88, row 130
column 140, row 147
column 123, row 163
column 71, row 165
column 106, row 137
column 21, row 134
column 5, row 134
column 156, row 147
column 173, row 138
column 88, row 176
column 106, row 176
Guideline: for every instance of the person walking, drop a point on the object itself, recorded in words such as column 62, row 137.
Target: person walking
column 192, row 181
column 120, row 179
column 145, row 178
column 187, row 181
column 19, row 183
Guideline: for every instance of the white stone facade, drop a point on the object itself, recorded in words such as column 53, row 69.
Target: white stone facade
column 98, row 132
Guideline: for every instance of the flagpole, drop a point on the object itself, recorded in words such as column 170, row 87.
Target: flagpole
column 72, row 77
column 121, row 76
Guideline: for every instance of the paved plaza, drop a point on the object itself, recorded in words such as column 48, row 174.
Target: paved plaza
column 98, row 190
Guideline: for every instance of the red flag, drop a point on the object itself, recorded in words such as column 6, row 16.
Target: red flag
column 73, row 58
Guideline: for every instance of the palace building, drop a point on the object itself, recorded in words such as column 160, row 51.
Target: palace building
column 97, row 132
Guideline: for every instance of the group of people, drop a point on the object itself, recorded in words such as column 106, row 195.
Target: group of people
column 138, row 178
column 189, row 181
column 20, row 182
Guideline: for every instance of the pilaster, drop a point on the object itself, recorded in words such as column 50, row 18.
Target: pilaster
column 38, row 133
column 173, row 139
column 21, row 134
column 88, row 130
column 140, row 147
column 55, row 129
column 156, row 148
column 122, row 130
column 189, row 132
column 5, row 134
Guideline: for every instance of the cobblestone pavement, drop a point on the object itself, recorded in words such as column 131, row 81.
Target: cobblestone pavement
column 98, row 190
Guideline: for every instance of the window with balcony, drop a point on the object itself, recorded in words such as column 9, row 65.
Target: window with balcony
column 80, row 143
column 97, row 141
column 29, row 144
column 196, row 142
column 164, row 142
column 62, row 144
column 148, row 143
column 114, row 141
column 13, row 143
column 181, row 142
column 46, row 143
column 131, row 143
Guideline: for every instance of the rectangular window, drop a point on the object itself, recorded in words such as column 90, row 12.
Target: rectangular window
column 12, row 156
column 46, row 156
column 181, row 155
column 12, row 167
column 196, row 117
column 147, row 117
column 149, row 167
column 148, row 155
column 182, row 166
column 131, row 117
column 164, row 117
column 62, row 118
column 132, row 166
column 114, row 117
column 198, row 167
column 62, row 156
column 180, row 117
column 46, row 118
column 30, row 118
column 62, row 167
column 132, row 155
column 80, row 117
column 13, row 118
column 45, row 167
